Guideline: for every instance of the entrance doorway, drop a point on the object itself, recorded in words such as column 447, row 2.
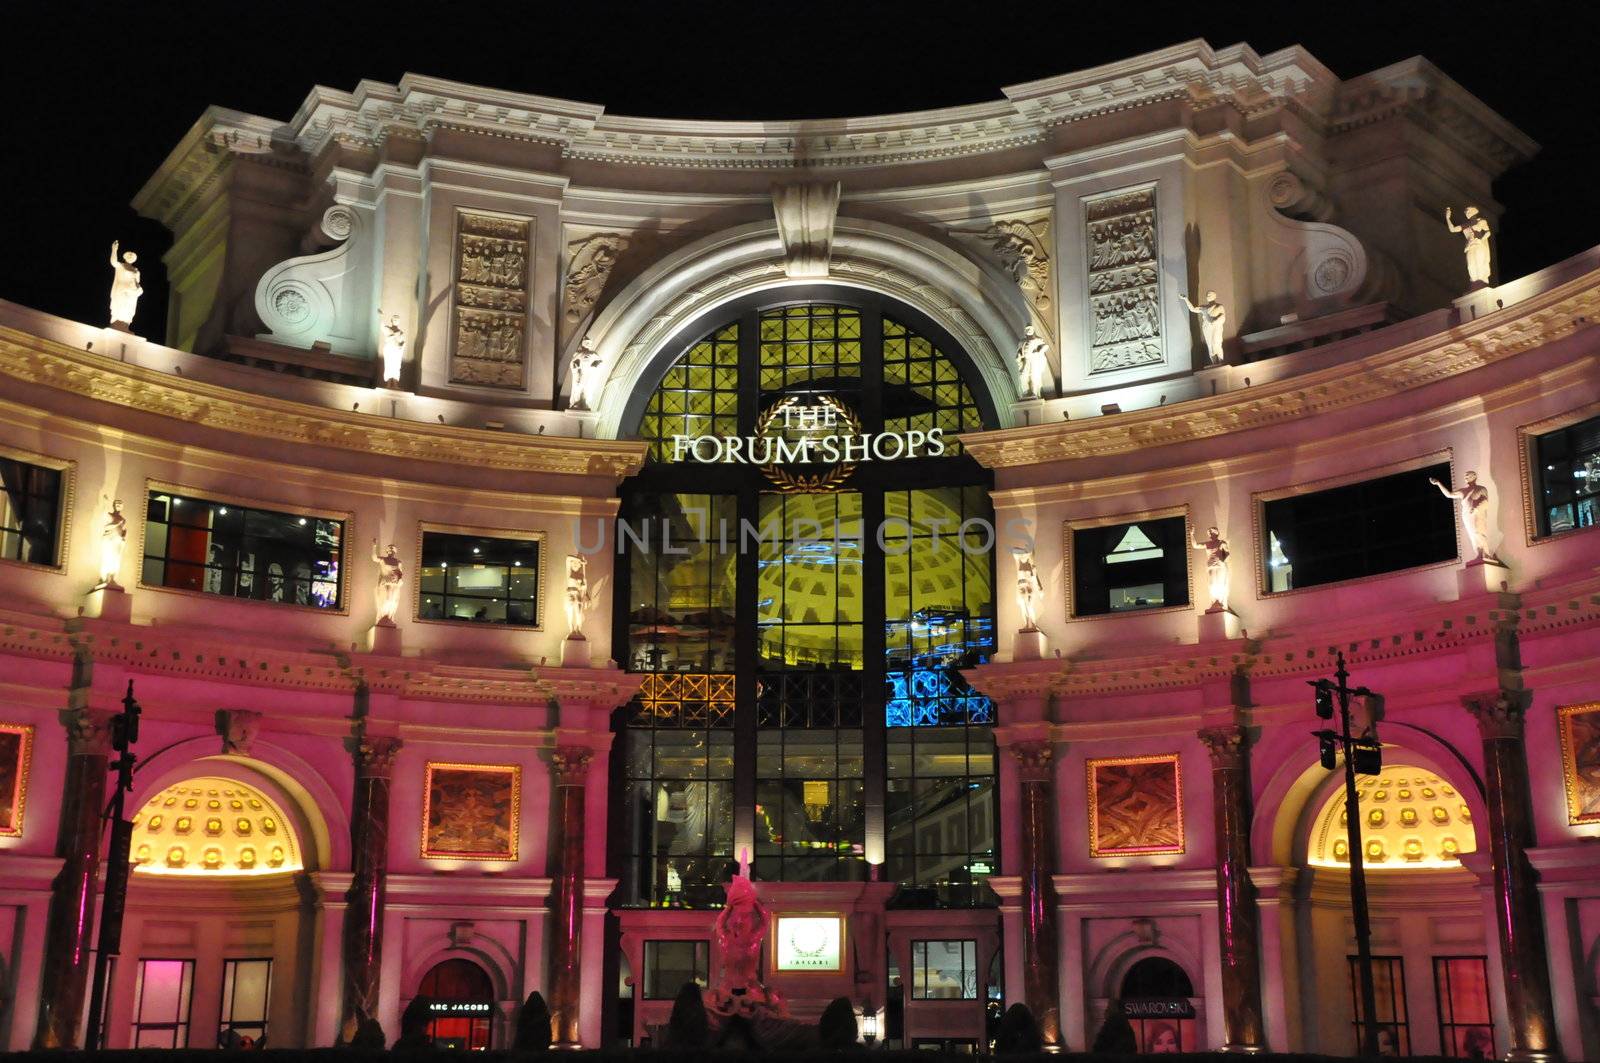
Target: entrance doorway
column 461, row 998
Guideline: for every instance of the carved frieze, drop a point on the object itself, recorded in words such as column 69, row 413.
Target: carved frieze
column 488, row 337
column 1123, row 293
column 1024, row 251
column 589, row 265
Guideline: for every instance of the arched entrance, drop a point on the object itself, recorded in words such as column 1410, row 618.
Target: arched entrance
column 219, row 925
column 460, row 997
column 1159, row 1000
column 808, row 562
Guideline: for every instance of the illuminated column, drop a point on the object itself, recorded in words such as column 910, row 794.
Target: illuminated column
column 1523, row 958
column 571, row 766
column 69, row 930
column 369, row 860
column 1038, row 895
column 1237, row 919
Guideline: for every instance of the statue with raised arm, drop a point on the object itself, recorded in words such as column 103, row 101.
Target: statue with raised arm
column 1216, row 548
column 1213, row 320
column 125, row 286
column 113, row 542
column 1476, row 233
column 391, row 347
column 390, row 577
column 1030, row 589
column 1032, row 360
column 1473, row 502
column 586, row 362
column 577, row 594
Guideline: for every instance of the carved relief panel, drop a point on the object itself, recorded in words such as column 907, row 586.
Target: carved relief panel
column 1123, row 274
column 490, row 301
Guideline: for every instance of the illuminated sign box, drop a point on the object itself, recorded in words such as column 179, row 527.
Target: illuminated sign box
column 809, row 943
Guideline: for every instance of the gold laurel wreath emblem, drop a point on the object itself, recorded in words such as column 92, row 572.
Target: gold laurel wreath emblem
column 792, row 483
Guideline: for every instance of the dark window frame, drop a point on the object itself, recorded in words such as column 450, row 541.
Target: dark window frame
column 1087, row 574
column 1279, row 514
column 1398, row 1007
column 649, row 980
column 1444, row 1005
column 225, row 1020
column 448, row 538
column 1557, row 454
column 921, row 967
column 165, row 568
column 25, row 471
column 181, row 1026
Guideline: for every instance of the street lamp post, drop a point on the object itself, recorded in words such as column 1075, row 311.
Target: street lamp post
column 124, row 733
column 1362, row 754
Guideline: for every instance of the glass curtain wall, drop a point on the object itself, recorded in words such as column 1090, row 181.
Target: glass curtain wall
column 835, row 615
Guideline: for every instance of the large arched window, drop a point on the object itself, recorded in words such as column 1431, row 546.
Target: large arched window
column 802, row 607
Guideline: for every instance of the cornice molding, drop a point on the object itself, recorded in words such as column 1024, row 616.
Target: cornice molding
column 52, row 364
column 1539, row 320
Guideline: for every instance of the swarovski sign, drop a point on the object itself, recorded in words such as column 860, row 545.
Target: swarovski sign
column 822, row 431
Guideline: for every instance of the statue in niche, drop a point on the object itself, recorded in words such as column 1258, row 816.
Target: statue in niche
column 392, row 347
column 586, row 363
column 113, row 541
column 125, row 286
column 1213, row 319
column 578, row 597
column 1032, row 359
column 1473, row 501
column 1476, row 233
column 1216, row 548
column 390, row 576
column 1030, row 589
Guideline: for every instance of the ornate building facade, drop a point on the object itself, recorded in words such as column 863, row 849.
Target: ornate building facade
column 532, row 511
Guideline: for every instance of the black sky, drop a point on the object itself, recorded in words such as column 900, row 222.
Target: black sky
column 97, row 94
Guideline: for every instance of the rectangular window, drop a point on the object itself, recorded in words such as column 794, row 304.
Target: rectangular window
column 161, row 1004
column 1386, row 524
column 1567, row 471
column 944, row 970
column 1118, row 568
column 811, row 817
column 671, row 965
column 682, row 551
column 480, row 578
column 1389, row 986
column 677, row 803
column 1461, row 987
column 246, row 990
column 30, row 512
column 195, row 544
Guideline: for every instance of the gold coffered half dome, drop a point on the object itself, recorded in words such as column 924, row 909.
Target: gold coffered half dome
column 1410, row 818
column 211, row 826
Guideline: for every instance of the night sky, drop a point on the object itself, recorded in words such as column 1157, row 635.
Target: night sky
column 94, row 102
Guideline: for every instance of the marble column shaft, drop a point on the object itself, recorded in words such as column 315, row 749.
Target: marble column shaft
column 571, row 768
column 1237, row 919
column 369, row 863
column 1040, row 952
column 69, row 928
column 1518, row 913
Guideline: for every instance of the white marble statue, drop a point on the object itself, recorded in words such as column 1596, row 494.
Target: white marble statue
column 113, row 541
column 392, row 347
column 1030, row 589
column 390, row 577
column 578, row 597
column 125, row 286
column 1032, row 360
column 585, row 363
column 1473, row 501
column 1216, row 548
column 1476, row 233
column 1213, row 321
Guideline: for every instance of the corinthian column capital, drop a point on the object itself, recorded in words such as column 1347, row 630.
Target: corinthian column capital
column 374, row 756
column 1034, row 760
column 571, row 764
column 1500, row 713
column 88, row 731
column 1226, row 744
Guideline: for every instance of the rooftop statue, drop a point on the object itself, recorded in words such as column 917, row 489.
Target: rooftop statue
column 1216, row 548
column 1476, row 232
column 1213, row 320
column 125, row 286
column 1030, row 589
column 390, row 577
column 392, row 347
column 578, row 596
column 113, row 541
column 1473, row 502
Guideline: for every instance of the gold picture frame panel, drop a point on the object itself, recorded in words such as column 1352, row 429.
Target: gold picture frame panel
column 1135, row 805
column 1579, row 726
column 488, row 828
column 16, row 760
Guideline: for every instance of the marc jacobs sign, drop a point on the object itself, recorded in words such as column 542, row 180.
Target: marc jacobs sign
column 815, row 430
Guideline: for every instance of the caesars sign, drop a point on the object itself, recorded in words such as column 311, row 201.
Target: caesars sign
column 816, row 430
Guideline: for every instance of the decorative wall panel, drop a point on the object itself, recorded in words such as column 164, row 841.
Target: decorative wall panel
column 490, row 311
column 471, row 811
column 1580, row 761
column 1123, row 274
column 16, row 751
column 1135, row 806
